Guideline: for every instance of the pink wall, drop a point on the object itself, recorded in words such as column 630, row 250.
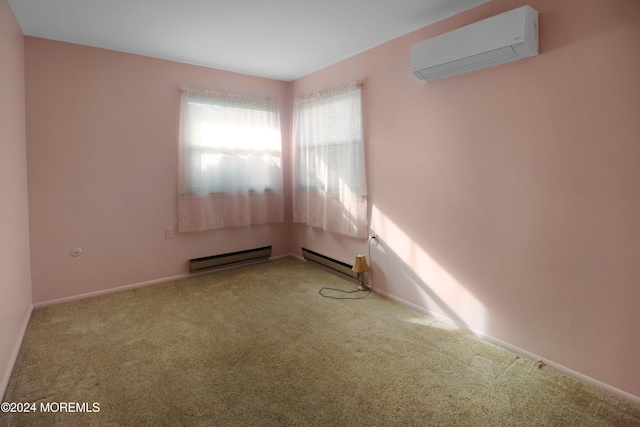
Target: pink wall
column 102, row 128
column 507, row 199
column 15, row 273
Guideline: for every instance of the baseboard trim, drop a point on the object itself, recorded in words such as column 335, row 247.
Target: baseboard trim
column 277, row 257
column 143, row 284
column 6, row 375
column 558, row 367
column 561, row 368
column 296, row 256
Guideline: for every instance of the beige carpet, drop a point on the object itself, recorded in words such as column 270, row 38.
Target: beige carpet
column 258, row 345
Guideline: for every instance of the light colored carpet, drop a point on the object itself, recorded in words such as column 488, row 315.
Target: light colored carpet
column 258, row 345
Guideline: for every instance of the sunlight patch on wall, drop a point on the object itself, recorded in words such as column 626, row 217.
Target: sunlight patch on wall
column 442, row 294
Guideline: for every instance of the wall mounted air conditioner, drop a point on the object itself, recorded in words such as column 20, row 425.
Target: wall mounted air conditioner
column 502, row 38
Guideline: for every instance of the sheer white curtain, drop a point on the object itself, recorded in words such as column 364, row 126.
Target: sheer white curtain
column 329, row 187
column 230, row 161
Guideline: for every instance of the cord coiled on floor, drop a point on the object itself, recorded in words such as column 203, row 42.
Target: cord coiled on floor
column 355, row 291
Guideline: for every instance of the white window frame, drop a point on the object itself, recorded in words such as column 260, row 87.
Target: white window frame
column 340, row 135
column 230, row 144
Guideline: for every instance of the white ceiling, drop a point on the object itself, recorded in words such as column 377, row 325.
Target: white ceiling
column 278, row 39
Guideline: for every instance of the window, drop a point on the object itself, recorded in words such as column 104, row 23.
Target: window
column 329, row 173
column 230, row 162
column 330, row 142
column 232, row 144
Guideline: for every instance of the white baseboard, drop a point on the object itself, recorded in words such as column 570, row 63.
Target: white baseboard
column 561, row 368
column 4, row 381
column 610, row 389
column 147, row 283
column 277, row 257
column 110, row 290
column 296, row 256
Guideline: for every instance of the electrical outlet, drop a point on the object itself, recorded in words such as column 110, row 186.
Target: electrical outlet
column 168, row 233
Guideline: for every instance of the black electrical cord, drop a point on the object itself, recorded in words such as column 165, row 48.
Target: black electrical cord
column 369, row 288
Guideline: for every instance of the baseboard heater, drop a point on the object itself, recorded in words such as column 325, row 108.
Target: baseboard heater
column 225, row 260
column 339, row 266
